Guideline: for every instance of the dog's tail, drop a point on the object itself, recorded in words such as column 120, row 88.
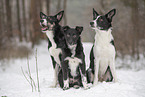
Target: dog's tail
column 90, row 75
column 60, row 78
column 108, row 75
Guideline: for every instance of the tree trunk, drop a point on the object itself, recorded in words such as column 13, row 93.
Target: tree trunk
column 64, row 7
column 0, row 17
column 58, row 5
column 34, row 19
column 24, row 19
column 48, row 7
column 1, row 32
column 18, row 21
column 40, row 5
column 135, row 19
column 9, row 20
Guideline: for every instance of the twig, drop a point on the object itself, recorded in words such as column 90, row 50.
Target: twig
column 32, row 81
column 29, row 74
column 37, row 71
column 27, row 78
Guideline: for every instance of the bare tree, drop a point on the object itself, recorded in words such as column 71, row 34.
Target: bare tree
column 135, row 19
column 19, row 21
column 48, row 6
column 40, row 4
column 9, row 18
column 0, row 16
column 24, row 19
column 1, row 22
column 34, row 19
column 64, row 7
column 58, row 5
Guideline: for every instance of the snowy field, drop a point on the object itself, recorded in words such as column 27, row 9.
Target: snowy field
column 131, row 83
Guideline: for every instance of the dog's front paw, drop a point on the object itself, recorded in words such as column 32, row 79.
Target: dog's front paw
column 95, row 84
column 86, row 87
column 65, row 87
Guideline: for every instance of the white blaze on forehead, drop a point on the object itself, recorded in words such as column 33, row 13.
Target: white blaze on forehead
column 95, row 23
column 44, row 22
column 97, row 18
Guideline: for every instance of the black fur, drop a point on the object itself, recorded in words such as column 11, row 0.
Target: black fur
column 112, row 42
column 91, row 68
column 72, row 37
column 58, row 36
column 103, row 22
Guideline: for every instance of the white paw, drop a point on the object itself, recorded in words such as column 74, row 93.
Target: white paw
column 66, row 85
column 86, row 87
column 95, row 84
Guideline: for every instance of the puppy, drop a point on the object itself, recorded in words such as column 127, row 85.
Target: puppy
column 73, row 72
column 50, row 26
column 102, row 56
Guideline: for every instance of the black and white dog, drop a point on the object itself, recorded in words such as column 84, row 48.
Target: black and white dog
column 73, row 72
column 102, row 56
column 50, row 26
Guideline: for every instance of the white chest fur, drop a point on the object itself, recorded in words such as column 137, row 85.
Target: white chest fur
column 51, row 38
column 73, row 49
column 73, row 64
column 54, row 51
column 102, row 46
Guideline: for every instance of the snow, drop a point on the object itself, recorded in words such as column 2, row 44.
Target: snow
column 13, row 84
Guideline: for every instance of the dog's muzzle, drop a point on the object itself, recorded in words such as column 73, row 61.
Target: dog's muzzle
column 92, row 24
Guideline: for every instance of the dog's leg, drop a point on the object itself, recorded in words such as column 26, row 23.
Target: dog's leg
column 55, row 66
column 60, row 78
column 66, row 84
column 96, row 68
column 65, row 75
column 103, row 68
column 90, row 75
column 112, row 67
column 83, row 75
column 55, row 76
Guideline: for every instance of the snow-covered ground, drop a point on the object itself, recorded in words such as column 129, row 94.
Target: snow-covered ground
column 13, row 84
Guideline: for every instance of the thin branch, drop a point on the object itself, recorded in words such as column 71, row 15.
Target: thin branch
column 27, row 78
column 37, row 71
column 29, row 74
column 33, row 82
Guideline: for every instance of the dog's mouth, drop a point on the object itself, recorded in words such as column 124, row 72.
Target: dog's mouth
column 44, row 28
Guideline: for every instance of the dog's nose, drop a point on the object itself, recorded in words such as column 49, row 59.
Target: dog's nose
column 91, row 23
column 41, row 21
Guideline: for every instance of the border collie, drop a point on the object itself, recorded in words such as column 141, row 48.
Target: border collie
column 50, row 26
column 73, row 73
column 102, row 56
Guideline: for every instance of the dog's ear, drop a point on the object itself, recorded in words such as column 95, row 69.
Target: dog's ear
column 65, row 28
column 110, row 14
column 79, row 29
column 95, row 14
column 59, row 15
column 42, row 15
